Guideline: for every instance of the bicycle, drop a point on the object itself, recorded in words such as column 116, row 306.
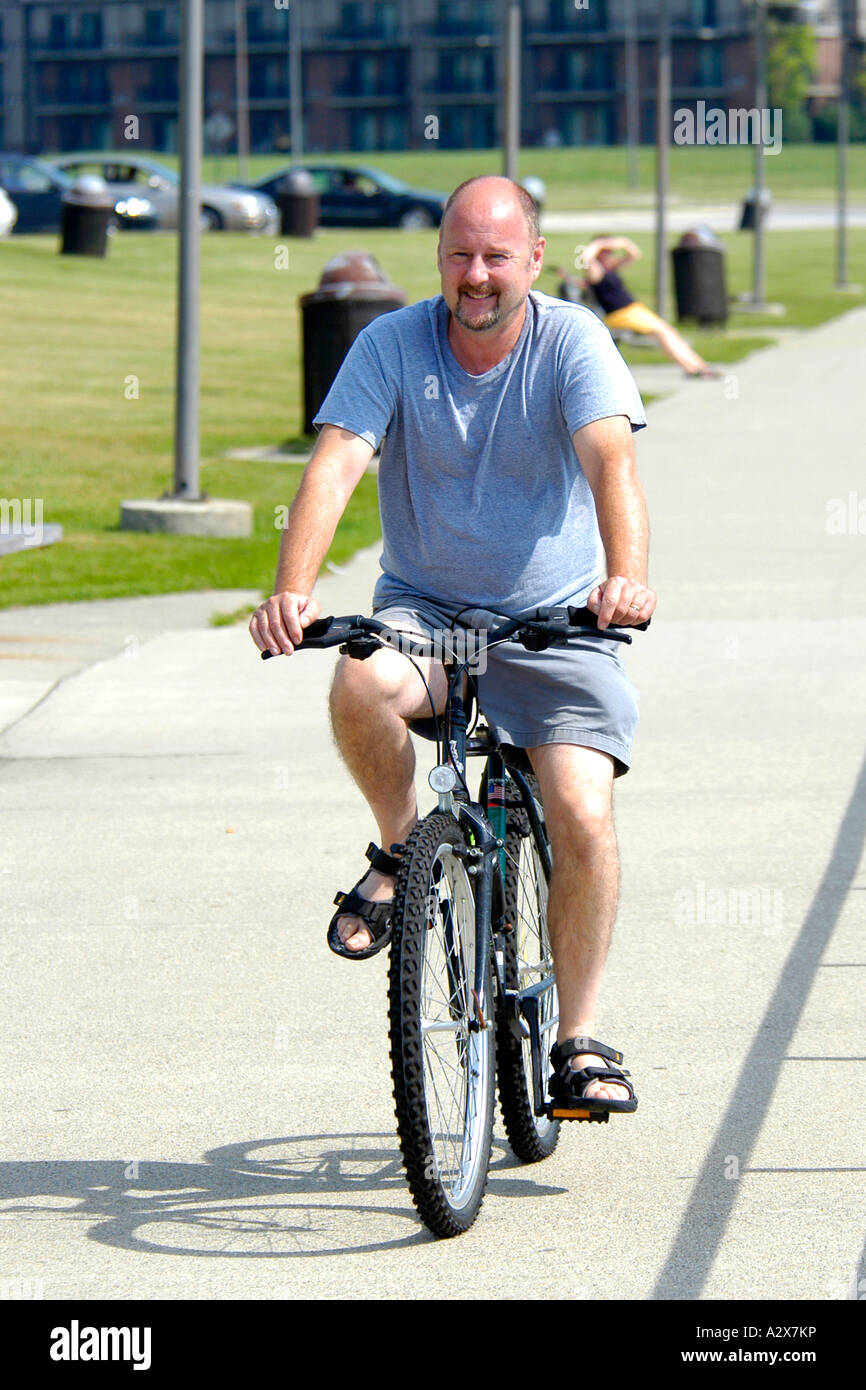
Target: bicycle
column 471, row 990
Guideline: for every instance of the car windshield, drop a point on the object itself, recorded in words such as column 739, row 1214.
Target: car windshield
column 53, row 174
column 386, row 181
column 170, row 175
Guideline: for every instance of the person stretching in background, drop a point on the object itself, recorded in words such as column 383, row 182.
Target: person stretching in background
column 601, row 260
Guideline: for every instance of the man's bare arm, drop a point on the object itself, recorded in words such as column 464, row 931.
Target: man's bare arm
column 330, row 478
column 606, row 452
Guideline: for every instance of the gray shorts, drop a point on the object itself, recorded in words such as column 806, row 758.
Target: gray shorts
column 576, row 694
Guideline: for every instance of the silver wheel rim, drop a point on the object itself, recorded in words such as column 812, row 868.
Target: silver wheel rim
column 456, row 1058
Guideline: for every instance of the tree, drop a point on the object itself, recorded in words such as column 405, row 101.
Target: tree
column 791, row 63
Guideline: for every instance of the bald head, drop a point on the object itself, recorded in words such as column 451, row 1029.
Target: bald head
column 495, row 201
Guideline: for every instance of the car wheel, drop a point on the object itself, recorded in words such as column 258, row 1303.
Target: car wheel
column 416, row 217
column 211, row 220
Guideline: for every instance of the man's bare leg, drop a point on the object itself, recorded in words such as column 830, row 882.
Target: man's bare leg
column 371, row 702
column 576, row 787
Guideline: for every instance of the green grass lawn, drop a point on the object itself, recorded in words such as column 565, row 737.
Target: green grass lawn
column 83, row 335
column 597, row 176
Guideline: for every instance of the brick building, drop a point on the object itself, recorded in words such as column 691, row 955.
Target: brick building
column 374, row 71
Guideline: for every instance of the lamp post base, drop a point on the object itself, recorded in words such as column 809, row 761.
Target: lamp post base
column 208, row 516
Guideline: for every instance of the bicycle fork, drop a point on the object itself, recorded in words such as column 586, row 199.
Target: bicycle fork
column 481, row 868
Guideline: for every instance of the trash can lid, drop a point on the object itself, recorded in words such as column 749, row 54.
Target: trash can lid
column 702, row 235
column 297, row 181
column 535, row 187
column 359, row 267
column 90, row 191
column 352, row 275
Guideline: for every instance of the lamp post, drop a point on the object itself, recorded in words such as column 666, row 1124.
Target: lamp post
column 186, row 511
column 186, row 440
column 296, row 102
column 242, row 95
column 632, row 94
column 663, row 106
column 758, row 294
column 847, row 21
column 511, row 114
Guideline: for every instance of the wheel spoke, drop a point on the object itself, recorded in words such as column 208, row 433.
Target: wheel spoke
column 528, row 962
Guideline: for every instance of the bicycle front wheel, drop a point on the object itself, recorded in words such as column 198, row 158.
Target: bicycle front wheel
column 443, row 1066
column 528, row 962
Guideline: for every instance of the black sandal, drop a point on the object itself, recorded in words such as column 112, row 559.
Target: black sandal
column 568, row 1086
column 376, row 916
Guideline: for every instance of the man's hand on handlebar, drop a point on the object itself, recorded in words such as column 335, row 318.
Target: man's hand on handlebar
column 278, row 624
column 621, row 601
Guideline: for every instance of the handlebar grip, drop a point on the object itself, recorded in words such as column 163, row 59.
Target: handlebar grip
column 584, row 617
column 326, row 632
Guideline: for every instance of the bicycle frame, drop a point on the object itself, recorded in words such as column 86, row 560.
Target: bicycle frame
column 487, row 868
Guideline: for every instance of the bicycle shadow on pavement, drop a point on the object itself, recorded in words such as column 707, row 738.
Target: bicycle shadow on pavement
column 251, row 1200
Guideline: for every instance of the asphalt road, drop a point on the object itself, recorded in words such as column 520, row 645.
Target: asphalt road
column 196, row 1093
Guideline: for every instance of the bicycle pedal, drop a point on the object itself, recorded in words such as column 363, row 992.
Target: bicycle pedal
column 567, row 1113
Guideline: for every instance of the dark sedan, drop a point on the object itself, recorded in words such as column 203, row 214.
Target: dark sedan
column 37, row 190
column 358, row 196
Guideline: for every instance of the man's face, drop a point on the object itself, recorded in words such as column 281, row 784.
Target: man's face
column 486, row 262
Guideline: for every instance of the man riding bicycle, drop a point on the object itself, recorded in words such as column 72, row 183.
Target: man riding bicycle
column 505, row 419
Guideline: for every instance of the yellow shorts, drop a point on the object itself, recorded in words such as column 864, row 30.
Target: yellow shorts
column 636, row 318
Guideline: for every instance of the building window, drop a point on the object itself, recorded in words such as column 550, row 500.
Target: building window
column 260, row 23
column 466, row 72
column 456, row 17
column 393, row 131
column 163, row 134
column 156, row 28
column 268, row 78
column 57, row 31
column 710, row 65
column 352, row 18
column 388, row 19
column 704, row 14
column 90, row 30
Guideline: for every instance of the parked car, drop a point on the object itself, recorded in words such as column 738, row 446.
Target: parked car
column 358, row 196
column 37, row 190
column 223, row 207
column 8, row 214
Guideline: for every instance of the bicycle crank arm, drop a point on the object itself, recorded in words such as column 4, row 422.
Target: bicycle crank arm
column 530, row 1007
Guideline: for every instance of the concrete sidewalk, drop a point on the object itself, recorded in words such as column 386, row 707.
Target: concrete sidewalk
column 722, row 217
column 197, row 1094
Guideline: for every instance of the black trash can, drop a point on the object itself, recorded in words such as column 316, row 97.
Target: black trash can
column 88, row 214
column 699, row 277
column 748, row 216
column 298, row 202
column 353, row 290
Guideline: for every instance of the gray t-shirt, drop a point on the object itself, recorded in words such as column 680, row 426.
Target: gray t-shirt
column 482, row 498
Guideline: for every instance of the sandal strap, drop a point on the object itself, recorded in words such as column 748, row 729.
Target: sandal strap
column 572, row 1047
column 595, row 1073
column 577, row 1082
column 376, row 915
column 385, row 863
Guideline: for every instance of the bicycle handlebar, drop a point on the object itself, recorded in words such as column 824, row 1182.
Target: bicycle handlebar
column 556, row 625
